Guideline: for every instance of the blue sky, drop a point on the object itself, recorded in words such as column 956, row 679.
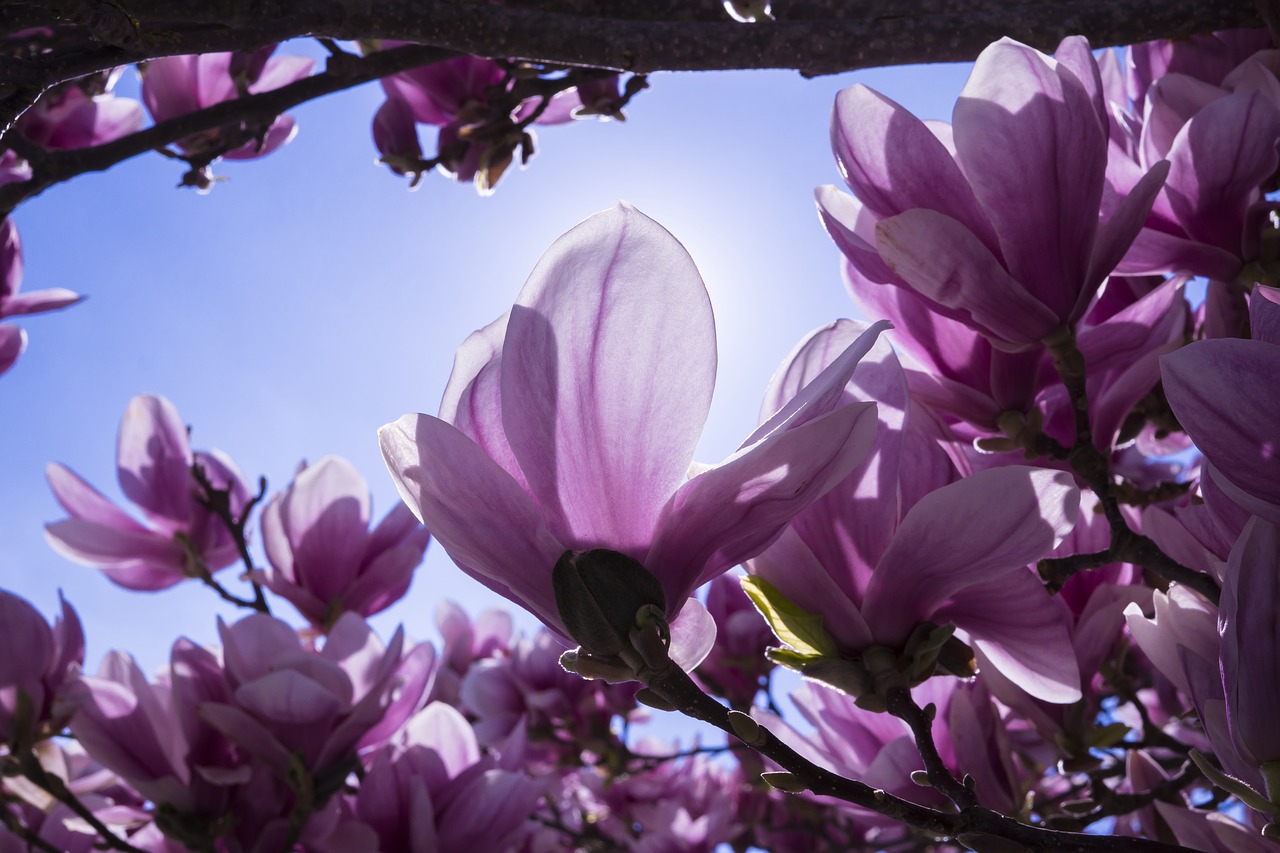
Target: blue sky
column 311, row 298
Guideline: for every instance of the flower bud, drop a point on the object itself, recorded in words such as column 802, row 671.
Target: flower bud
column 599, row 593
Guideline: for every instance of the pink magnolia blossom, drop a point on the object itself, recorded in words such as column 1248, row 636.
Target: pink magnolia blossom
column 81, row 114
column 34, row 664
column 457, row 95
column 901, row 542
column 432, row 791
column 995, row 219
column 13, row 340
column 323, row 557
column 154, row 462
column 177, row 85
column 13, row 303
column 570, row 424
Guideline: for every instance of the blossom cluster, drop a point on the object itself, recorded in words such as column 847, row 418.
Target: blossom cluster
column 1020, row 534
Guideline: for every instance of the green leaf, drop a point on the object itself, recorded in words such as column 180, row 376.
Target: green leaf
column 791, row 659
column 799, row 629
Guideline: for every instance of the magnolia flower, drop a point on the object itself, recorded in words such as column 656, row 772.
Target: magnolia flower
column 995, row 219
column 569, row 425
column 901, row 544
column 177, row 85
column 324, row 559
column 154, row 461
column 81, row 113
column 34, row 661
column 12, row 303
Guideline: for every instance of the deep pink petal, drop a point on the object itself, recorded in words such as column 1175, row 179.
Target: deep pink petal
column 1251, row 642
column 1213, row 388
column 12, row 342
column 289, row 698
column 893, row 162
column 943, row 261
column 607, row 372
column 475, row 510
column 1031, row 143
column 1022, row 631
column 1219, row 159
column 1116, row 235
column 973, row 531
column 168, row 87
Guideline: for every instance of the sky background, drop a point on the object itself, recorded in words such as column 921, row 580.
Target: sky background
column 311, row 298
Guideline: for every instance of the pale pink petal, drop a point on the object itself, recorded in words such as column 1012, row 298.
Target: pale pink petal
column 475, row 510
column 132, row 558
column 38, row 300
column 153, row 461
column 608, row 367
column 693, row 633
column 84, row 502
column 733, row 511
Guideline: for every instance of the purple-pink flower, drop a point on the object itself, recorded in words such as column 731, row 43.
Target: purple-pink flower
column 901, row 543
column 14, row 304
column 182, row 538
column 177, row 85
column 81, row 114
column 323, row 557
column 570, row 424
column 995, row 219
column 34, row 663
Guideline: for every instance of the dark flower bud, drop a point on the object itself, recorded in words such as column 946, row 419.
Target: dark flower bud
column 599, row 594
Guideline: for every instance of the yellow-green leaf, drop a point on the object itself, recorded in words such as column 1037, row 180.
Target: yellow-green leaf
column 799, row 629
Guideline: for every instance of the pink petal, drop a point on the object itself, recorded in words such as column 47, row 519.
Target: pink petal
column 730, row 513
column 893, row 162
column 693, row 633
column 12, row 342
column 475, row 510
column 38, row 301
column 442, row 728
column 84, row 502
column 153, row 460
column 1032, row 145
column 607, row 372
column 830, row 588
column 289, row 698
column 973, row 531
column 943, row 261
column 1022, row 631
column 1213, row 388
column 135, row 559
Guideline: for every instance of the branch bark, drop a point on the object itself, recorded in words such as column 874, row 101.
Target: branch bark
column 812, row 36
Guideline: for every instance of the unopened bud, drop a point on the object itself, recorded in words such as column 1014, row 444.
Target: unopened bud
column 788, row 783
column 598, row 594
column 747, row 729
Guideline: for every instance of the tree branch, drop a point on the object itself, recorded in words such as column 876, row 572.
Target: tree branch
column 811, row 36
column 53, row 167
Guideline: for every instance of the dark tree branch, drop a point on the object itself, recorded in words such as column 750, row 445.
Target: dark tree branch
column 973, row 826
column 811, row 36
column 53, row 167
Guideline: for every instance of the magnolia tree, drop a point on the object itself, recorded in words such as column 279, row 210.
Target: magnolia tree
column 1019, row 533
